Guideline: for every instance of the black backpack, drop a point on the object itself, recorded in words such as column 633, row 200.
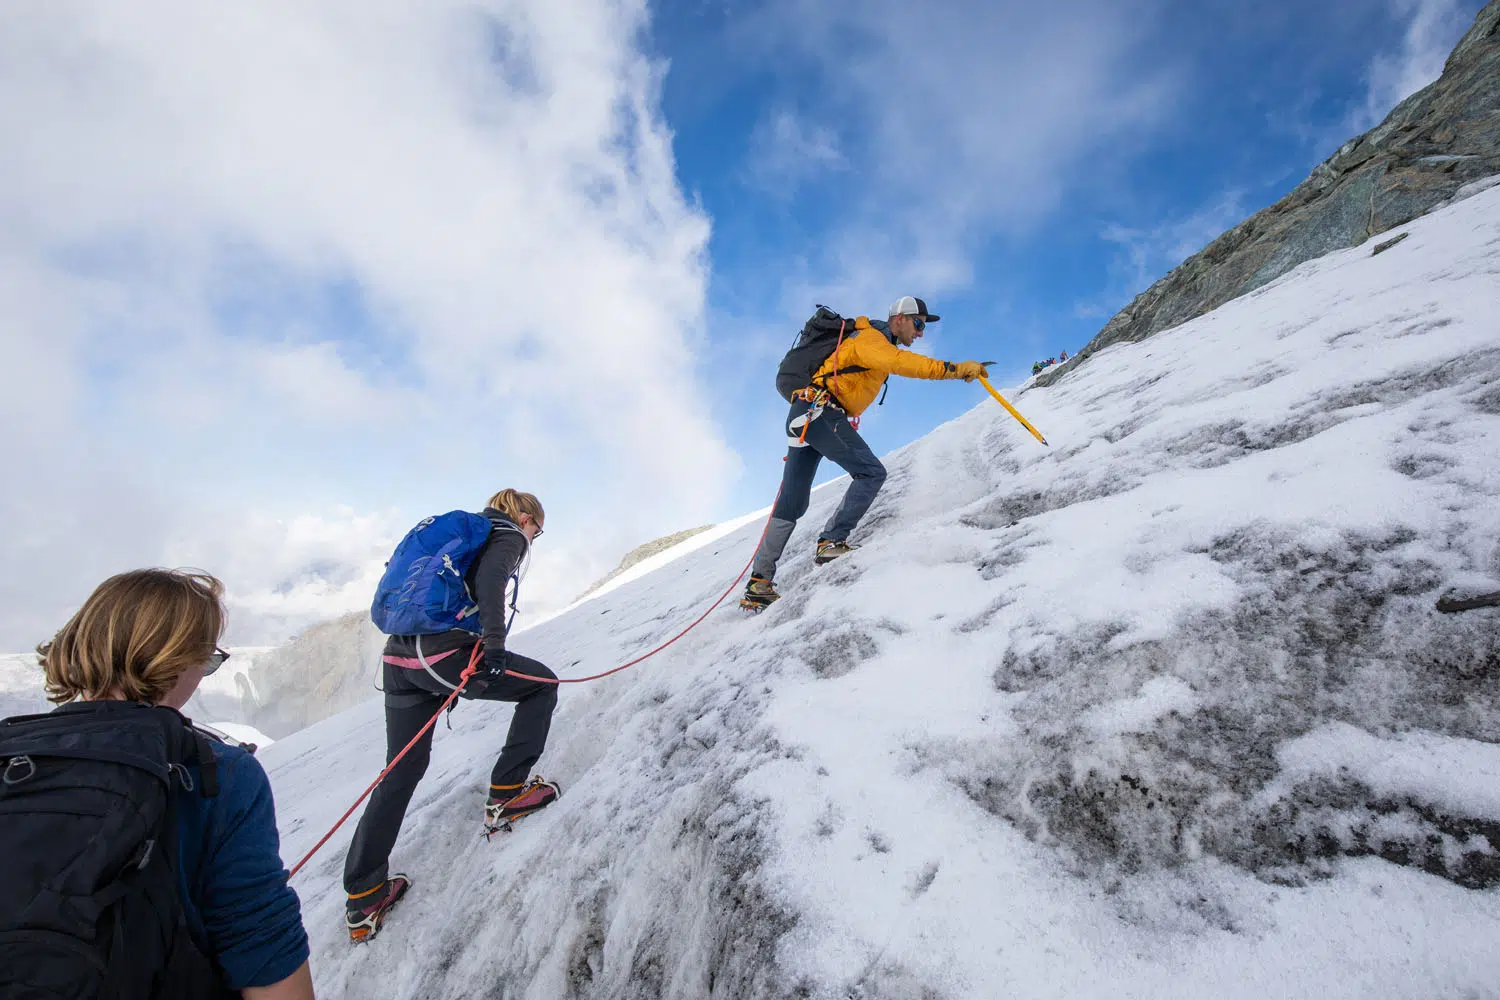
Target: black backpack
column 819, row 337
column 89, row 904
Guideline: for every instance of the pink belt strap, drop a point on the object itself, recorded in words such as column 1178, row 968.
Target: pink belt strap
column 412, row 663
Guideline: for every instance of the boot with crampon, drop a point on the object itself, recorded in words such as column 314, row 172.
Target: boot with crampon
column 509, row 803
column 829, row 550
column 760, row 594
column 366, row 911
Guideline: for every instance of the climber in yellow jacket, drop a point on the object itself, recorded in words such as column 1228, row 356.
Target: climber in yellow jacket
column 842, row 365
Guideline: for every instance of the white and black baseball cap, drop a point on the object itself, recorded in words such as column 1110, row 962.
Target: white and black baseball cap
column 909, row 305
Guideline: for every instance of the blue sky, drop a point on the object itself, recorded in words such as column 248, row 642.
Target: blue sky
column 277, row 280
column 1210, row 111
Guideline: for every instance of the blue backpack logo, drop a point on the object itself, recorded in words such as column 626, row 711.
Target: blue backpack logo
column 423, row 590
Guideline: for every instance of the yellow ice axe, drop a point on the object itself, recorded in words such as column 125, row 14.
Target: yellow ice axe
column 1013, row 411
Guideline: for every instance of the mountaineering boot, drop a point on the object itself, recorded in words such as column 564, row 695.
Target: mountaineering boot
column 508, row 803
column 829, row 550
column 366, row 911
column 760, row 594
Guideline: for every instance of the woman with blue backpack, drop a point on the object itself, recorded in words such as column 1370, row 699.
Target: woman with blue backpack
column 443, row 592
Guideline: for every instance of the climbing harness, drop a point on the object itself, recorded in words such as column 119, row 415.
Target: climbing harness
column 427, row 666
column 817, row 400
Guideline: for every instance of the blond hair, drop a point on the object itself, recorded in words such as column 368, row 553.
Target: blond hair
column 135, row 636
column 514, row 503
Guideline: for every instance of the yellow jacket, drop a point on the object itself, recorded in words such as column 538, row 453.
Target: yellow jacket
column 862, row 363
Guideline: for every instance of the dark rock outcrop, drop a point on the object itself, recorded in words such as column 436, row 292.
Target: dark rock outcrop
column 1436, row 141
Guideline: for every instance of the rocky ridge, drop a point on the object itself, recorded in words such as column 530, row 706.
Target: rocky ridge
column 1441, row 143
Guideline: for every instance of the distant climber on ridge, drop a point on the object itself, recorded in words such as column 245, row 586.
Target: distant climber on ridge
column 830, row 376
column 444, row 591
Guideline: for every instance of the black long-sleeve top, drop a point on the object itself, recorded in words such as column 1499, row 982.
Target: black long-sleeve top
column 488, row 578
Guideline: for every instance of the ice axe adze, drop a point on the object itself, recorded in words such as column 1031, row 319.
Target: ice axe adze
column 1011, row 409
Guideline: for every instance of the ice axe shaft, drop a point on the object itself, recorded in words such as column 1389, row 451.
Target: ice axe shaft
column 1012, row 410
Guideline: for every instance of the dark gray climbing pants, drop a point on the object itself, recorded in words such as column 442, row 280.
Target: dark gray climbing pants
column 829, row 436
column 412, row 697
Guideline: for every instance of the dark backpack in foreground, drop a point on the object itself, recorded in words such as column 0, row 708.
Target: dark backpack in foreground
column 815, row 344
column 89, row 904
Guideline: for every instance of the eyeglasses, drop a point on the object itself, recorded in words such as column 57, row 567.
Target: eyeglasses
column 919, row 323
column 215, row 661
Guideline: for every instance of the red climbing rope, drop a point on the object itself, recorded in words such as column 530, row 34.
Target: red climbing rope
column 679, row 635
column 463, row 679
column 473, row 667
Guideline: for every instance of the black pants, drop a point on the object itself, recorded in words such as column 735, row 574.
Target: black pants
column 412, row 696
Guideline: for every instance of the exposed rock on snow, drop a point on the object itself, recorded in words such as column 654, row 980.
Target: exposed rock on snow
column 331, row 666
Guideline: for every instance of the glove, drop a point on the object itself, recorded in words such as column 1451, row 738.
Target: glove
column 969, row 371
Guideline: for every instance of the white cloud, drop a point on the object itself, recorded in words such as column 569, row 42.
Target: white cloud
column 289, row 573
column 1433, row 28
column 263, row 262
column 973, row 122
column 786, row 151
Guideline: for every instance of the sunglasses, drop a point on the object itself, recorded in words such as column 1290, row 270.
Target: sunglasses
column 215, row 661
column 919, row 323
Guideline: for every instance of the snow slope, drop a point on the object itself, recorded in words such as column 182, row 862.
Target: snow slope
column 1163, row 711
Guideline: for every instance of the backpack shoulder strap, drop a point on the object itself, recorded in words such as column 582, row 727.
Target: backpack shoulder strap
column 187, row 744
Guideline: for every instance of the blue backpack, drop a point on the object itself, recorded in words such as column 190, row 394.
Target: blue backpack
column 423, row 590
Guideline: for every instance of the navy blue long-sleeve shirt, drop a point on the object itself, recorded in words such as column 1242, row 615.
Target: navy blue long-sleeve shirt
column 239, row 907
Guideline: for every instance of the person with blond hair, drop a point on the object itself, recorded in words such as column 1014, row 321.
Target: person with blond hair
column 140, row 855
column 443, row 591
